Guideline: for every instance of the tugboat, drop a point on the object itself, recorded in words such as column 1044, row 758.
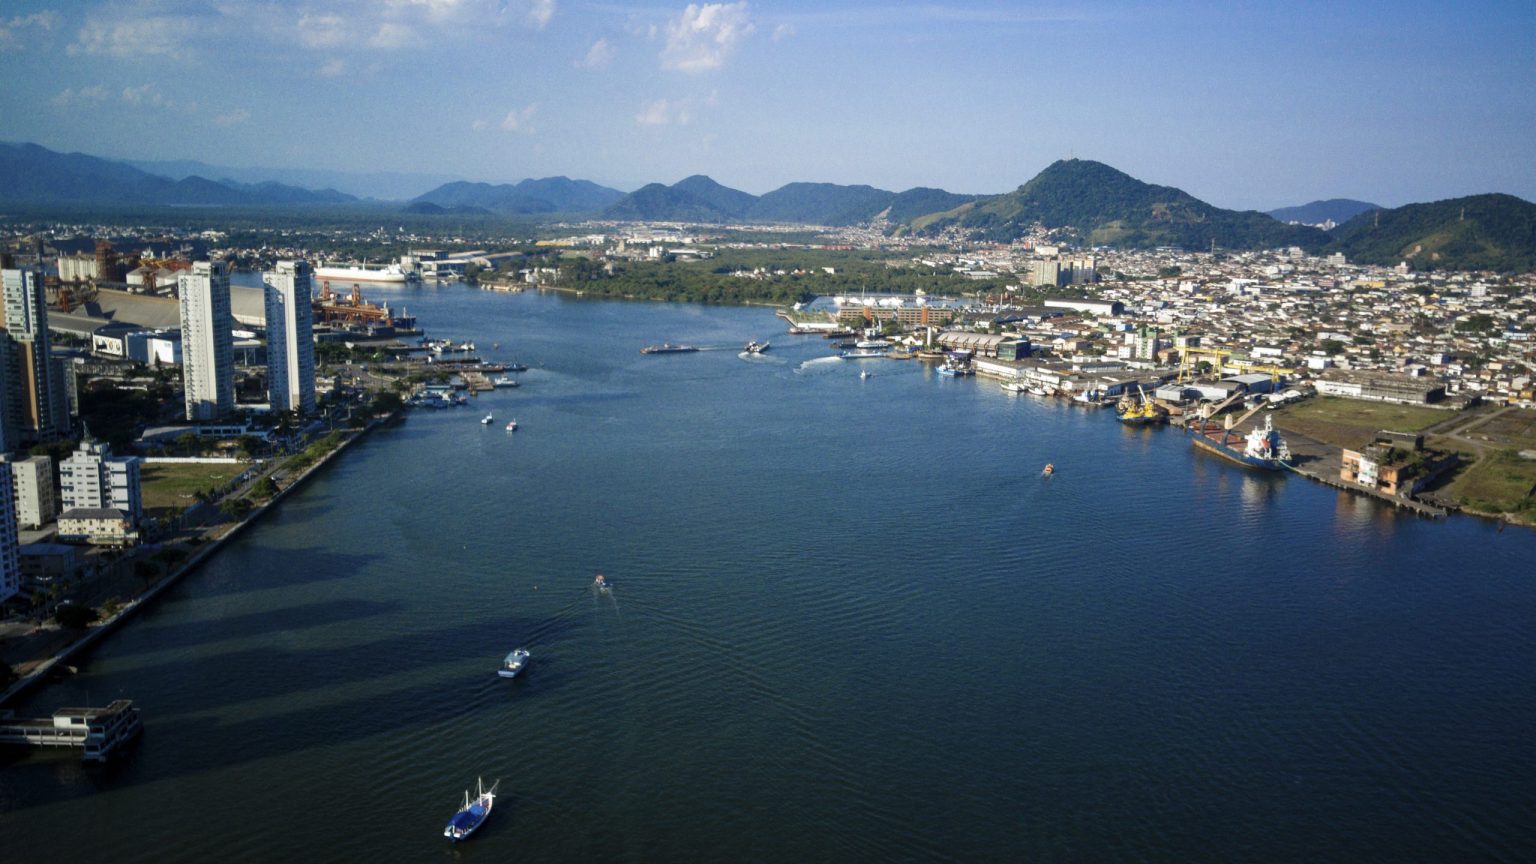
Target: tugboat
column 513, row 664
column 756, row 347
column 473, row 813
column 1143, row 413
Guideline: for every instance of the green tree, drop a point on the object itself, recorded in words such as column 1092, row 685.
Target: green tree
column 265, row 487
column 74, row 617
column 235, row 508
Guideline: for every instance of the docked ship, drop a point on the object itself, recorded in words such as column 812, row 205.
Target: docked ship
column 1262, row 447
column 472, row 814
column 668, row 348
column 389, row 274
column 1142, row 413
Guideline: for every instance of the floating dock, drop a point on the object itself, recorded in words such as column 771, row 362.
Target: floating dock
column 97, row 731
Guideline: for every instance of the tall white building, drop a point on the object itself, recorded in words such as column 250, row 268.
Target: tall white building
column 35, row 404
column 10, row 541
column 290, row 337
column 32, row 481
column 92, row 478
column 207, row 343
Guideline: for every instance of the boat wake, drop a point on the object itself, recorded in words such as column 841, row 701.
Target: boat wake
column 818, row 363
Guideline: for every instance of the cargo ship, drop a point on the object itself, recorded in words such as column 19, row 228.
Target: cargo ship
column 393, row 273
column 1261, row 448
column 668, row 348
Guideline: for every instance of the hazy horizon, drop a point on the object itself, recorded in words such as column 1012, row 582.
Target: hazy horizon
column 1244, row 108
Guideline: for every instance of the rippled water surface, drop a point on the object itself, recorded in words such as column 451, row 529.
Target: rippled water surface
column 850, row 621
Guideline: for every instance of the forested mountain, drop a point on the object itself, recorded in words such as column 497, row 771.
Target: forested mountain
column 1337, row 210
column 548, row 195
column 30, row 174
column 1110, row 207
column 1479, row 232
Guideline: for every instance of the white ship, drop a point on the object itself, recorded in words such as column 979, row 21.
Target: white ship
column 391, row 273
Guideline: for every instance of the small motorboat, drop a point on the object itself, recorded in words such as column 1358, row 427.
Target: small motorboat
column 513, row 664
column 511, row 425
column 601, row 584
column 1049, row 470
column 863, row 374
column 486, row 420
column 473, row 813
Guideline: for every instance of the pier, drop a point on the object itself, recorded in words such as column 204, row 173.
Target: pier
column 97, row 731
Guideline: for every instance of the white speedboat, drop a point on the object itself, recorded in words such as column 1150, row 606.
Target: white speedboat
column 511, row 425
column 487, row 419
column 513, row 664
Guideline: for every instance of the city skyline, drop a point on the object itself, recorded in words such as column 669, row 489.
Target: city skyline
column 1244, row 108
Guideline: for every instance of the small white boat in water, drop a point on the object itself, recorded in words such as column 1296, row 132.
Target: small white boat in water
column 487, row 419
column 513, row 664
column 511, row 425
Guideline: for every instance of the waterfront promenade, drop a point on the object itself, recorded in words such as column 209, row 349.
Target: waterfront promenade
column 37, row 651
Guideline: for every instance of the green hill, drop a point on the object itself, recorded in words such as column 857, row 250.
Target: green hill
column 1480, row 232
column 820, row 204
column 693, row 199
column 1110, row 207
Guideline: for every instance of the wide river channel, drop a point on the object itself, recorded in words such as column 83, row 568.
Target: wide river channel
column 850, row 621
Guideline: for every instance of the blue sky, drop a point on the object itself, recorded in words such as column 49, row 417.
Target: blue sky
column 1244, row 104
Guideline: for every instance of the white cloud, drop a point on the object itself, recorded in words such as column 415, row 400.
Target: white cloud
column 598, row 56
column 332, row 69
column 541, row 12
column 232, row 118
column 783, row 31
column 392, row 35
column 702, row 36
column 141, row 37
column 479, row 125
column 517, row 119
column 435, row 8
column 13, row 32
column 84, row 96
column 144, row 94
column 322, row 31
column 666, row 112
column 653, row 113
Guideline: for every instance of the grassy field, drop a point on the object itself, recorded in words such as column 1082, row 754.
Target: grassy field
column 1352, row 422
column 1498, row 480
column 169, row 487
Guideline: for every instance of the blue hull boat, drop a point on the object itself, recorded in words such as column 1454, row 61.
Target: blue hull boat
column 473, row 814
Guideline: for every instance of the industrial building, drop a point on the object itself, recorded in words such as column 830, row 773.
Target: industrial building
column 1380, row 387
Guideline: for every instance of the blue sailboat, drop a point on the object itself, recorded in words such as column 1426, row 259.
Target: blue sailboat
column 473, row 814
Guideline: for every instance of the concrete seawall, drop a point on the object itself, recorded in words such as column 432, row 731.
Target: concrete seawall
column 38, row 676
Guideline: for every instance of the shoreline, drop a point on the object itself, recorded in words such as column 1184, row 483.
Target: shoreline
column 38, row 676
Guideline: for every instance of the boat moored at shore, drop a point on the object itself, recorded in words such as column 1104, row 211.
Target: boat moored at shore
column 1261, row 448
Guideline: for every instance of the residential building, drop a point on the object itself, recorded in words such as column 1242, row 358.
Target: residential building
column 92, row 478
column 98, row 526
column 10, row 541
column 290, row 338
column 35, row 404
column 207, row 341
column 32, row 483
